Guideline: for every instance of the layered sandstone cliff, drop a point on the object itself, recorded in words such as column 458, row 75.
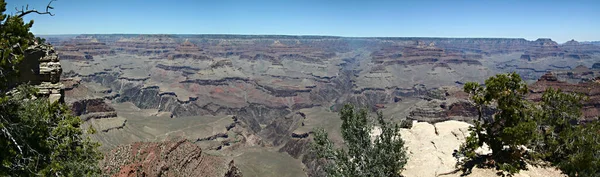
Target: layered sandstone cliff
column 83, row 48
column 146, row 44
column 41, row 67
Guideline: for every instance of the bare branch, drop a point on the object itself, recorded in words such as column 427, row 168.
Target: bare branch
column 25, row 10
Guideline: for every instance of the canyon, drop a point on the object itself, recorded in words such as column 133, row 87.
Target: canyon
column 248, row 104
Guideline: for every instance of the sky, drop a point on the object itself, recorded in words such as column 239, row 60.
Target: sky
column 560, row 20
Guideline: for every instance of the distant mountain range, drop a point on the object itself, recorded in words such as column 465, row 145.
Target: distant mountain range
column 591, row 42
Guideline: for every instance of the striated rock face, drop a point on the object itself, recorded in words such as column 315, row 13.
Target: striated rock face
column 421, row 53
column 591, row 89
column 146, row 44
column 579, row 50
column 451, row 104
column 541, row 49
column 187, row 50
column 83, row 48
column 169, row 158
column 434, row 111
column 41, row 67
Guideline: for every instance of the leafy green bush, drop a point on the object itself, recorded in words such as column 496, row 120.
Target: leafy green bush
column 385, row 156
column 37, row 137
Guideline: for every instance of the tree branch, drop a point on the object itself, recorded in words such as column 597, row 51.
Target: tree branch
column 25, row 10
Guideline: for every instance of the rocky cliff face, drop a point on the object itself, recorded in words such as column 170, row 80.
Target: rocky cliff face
column 41, row 68
column 169, row 158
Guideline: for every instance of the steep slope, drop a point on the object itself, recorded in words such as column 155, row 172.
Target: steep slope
column 169, row 158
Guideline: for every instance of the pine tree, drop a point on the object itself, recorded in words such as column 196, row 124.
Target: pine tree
column 509, row 131
column 521, row 131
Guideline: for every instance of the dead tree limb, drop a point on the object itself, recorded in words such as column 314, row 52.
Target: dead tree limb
column 25, row 10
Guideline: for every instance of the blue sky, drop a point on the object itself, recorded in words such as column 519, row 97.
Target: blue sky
column 529, row 19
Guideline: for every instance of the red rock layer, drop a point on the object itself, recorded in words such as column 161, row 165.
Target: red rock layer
column 146, row 44
column 187, row 50
column 169, row 158
column 83, row 48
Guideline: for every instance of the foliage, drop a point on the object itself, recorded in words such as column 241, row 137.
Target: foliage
column 43, row 138
column 385, row 156
column 15, row 37
column 573, row 148
column 509, row 130
column 37, row 137
column 521, row 131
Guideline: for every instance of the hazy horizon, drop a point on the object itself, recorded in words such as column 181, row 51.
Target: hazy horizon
column 475, row 37
column 560, row 21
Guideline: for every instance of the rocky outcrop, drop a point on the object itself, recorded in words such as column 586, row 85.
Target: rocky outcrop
column 435, row 110
column 233, row 171
column 41, row 67
column 430, row 148
column 95, row 108
column 168, row 158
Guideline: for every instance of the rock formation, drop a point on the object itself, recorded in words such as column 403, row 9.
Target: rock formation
column 233, row 94
column 146, row 44
column 92, row 109
column 187, row 50
column 422, row 53
column 169, row 158
column 430, row 148
column 541, row 49
column 41, row 68
column 83, row 48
